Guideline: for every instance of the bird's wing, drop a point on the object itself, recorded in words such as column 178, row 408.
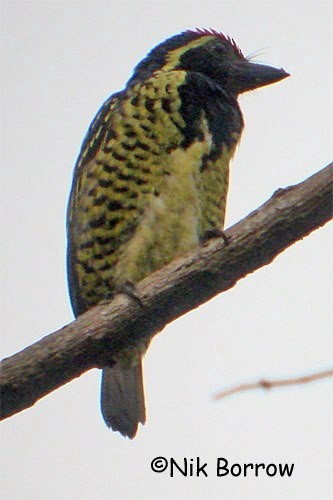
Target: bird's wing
column 122, row 165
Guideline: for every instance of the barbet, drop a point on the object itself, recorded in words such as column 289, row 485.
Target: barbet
column 151, row 181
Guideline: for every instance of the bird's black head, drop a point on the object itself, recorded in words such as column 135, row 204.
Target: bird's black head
column 211, row 54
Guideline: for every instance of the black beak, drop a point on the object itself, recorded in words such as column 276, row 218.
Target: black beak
column 245, row 75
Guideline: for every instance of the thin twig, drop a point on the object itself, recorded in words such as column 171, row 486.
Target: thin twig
column 271, row 384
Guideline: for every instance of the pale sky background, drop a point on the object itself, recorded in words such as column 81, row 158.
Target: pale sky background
column 60, row 61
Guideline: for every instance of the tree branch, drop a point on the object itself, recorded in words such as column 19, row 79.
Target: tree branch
column 98, row 336
column 271, row 384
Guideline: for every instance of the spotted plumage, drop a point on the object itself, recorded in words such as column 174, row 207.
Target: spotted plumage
column 151, row 181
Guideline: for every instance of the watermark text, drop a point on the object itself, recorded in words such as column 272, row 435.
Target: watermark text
column 197, row 467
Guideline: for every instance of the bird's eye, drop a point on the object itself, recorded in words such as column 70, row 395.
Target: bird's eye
column 218, row 50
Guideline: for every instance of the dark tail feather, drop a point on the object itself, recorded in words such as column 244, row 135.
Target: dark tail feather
column 122, row 399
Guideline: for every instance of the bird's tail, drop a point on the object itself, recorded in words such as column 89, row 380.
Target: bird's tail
column 122, row 399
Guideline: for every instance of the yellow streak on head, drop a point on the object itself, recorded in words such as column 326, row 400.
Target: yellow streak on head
column 175, row 55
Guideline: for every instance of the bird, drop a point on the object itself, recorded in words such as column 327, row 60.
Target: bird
column 150, row 183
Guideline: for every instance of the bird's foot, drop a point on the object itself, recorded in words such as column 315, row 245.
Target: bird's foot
column 128, row 288
column 214, row 233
